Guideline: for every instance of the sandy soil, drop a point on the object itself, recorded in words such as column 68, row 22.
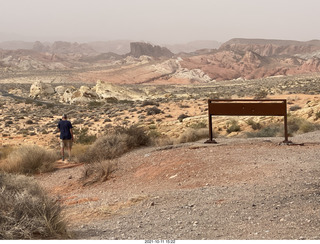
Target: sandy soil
column 236, row 189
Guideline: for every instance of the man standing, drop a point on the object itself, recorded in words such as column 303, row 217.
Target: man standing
column 66, row 135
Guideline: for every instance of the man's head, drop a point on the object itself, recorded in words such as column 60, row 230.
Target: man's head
column 64, row 116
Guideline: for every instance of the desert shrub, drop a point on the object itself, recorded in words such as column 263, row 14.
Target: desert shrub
column 317, row 115
column 295, row 108
column 261, row 94
column 83, row 137
column 254, row 125
column 295, row 125
column 154, row 110
column 192, row 135
column 114, row 144
column 198, row 125
column 182, row 117
column 162, row 140
column 137, row 136
column 300, row 125
column 269, row 131
column 94, row 104
column 234, row 127
column 97, row 172
column 148, row 103
column 27, row 212
column 30, row 159
column 5, row 151
column 107, row 147
column 79, row 150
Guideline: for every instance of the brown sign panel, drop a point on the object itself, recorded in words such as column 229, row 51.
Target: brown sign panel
column 246, row 107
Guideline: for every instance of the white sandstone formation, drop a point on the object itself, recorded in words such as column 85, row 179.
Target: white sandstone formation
column 39, row 89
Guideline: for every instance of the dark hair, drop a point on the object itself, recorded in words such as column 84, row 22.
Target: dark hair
column 64, row 116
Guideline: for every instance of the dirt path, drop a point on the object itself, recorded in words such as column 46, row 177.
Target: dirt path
column 237, row 189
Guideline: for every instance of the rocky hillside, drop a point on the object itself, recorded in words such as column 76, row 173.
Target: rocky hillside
column 145, row 63
column 257, row 58
column 227, row 65
column 265, row 47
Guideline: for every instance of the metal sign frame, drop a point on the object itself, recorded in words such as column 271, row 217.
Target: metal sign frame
column 247, row 107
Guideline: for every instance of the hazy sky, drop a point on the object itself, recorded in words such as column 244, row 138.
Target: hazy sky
column 158, row 21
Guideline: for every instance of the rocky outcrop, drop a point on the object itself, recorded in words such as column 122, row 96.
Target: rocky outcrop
column 84, row 95
column 39, row 89
column 102, row 91
column 140, row 48
column 106, row 90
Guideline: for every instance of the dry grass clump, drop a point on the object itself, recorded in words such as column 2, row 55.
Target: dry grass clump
column 117, row 142
column 5, row 151
column 97, row 172
column 26, row 212
column 29, row 159
column 192, row 135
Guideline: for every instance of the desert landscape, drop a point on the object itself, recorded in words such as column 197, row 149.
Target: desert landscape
column 172, row 186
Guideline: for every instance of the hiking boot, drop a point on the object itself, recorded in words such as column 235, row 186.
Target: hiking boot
column 62, row 158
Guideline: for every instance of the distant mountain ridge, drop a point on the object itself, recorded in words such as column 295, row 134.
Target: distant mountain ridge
column 270, row 47
column 144, row 62
column 119, row 47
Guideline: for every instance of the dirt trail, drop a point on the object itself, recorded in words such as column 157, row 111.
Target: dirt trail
column 237, row 189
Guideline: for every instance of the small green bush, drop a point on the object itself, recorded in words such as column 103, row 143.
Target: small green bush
column 234, row 127
column 254, row 125
column 295, row 108
column 269, row 131
column 27, row 213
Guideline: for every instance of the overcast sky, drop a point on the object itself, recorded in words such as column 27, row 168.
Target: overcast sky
column 158, row 21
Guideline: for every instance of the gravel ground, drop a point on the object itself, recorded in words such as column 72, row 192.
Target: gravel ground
column 236, row 189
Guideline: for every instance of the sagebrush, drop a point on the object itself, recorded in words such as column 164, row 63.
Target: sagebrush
column 29, row 159
column 26, row 212
column 115, row 143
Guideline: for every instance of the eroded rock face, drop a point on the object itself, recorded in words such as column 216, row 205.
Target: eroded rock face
column 139, row 49
column 39, row 89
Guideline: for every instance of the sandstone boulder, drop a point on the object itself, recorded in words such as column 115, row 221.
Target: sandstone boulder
column 60, row 90
column 39, row 89
column 67, row 94
column 83, row 95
